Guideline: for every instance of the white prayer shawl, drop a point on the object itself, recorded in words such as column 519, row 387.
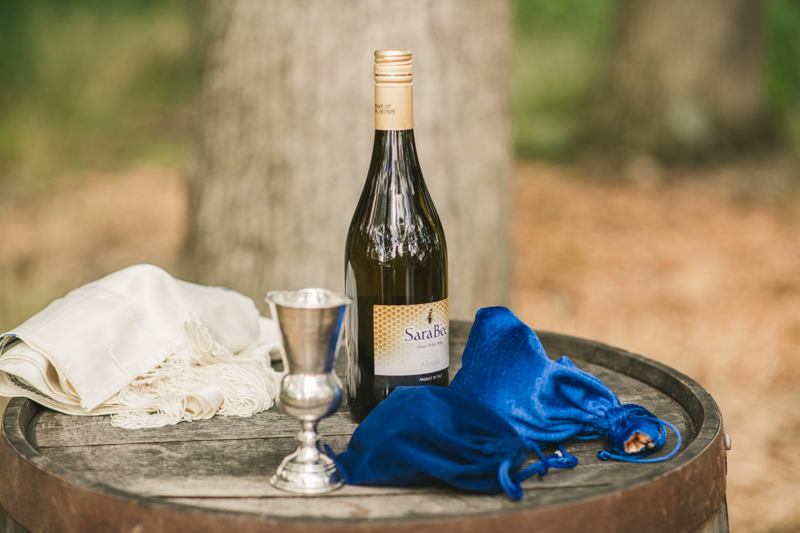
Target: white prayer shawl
column 145, row 347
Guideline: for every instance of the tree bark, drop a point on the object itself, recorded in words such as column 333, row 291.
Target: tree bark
column 684, row 80
column 286, row 130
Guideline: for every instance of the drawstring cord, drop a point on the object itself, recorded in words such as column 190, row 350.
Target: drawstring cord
column 619, row 423
column 560, row 459
column 605, row 455
column 512, row 484
column 511, row 488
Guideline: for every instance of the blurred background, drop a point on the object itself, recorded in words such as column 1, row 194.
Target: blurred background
column 654, row 184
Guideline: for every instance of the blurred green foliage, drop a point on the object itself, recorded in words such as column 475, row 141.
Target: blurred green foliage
column 97, row 84
column 93, row 85
column 560, row 45
column 783, row 65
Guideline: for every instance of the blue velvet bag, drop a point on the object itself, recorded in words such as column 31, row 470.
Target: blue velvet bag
column 424, row 434
column 506, row 369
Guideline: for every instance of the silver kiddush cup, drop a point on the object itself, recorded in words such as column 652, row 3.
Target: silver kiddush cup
column 310, row 321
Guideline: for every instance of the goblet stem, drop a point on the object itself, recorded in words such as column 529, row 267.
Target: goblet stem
column 308, row 452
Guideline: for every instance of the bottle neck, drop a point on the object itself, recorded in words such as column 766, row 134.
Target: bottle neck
column 394, row 107
column 395, row 179
column 395, row 152
column 394, row 168
column 394, row 201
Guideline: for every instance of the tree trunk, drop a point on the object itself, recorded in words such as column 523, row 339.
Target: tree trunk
column 286, row 130
column 684, row 80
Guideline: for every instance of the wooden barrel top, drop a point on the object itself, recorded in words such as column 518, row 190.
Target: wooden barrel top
column 63, row 474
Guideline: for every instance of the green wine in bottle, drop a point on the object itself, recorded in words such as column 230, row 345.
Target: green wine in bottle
column 395, row 258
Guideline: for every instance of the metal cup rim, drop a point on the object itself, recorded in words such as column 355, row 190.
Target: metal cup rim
column 334, row 298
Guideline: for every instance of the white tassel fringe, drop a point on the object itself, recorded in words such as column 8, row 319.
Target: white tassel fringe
column 198, row 381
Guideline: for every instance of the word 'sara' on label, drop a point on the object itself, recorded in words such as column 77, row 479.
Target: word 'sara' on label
column 425, row 334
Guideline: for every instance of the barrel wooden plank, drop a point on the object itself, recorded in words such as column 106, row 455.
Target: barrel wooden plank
column 51, row 429
column 213, row 475
column 172, row 469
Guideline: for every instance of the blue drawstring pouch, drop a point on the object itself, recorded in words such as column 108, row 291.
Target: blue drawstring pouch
column 506, row 369
column 424, row 434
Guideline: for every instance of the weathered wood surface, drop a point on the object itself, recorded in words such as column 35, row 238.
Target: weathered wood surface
column 71, row 473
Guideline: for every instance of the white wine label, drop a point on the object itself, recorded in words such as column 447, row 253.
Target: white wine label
column 412, row 341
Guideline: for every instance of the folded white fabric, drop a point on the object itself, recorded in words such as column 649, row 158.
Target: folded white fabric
column 148, row 348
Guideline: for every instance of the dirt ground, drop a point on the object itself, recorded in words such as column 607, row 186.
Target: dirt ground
column 702, row 274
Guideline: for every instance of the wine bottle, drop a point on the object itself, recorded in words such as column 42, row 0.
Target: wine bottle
column 395, row 258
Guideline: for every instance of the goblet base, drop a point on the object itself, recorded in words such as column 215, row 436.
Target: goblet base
column 303, row 477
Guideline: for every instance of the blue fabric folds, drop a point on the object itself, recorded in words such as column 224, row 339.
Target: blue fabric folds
column 422, row 434
column 508, row 399
column 506, row 369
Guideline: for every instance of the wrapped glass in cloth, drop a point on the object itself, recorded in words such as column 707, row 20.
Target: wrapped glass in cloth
column 425, row 434
column 506, row 369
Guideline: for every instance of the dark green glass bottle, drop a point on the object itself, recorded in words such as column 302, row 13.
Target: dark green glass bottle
column 395, row 258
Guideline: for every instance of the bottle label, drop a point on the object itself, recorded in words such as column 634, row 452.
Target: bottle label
column 394, row 107
column 412, row 343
